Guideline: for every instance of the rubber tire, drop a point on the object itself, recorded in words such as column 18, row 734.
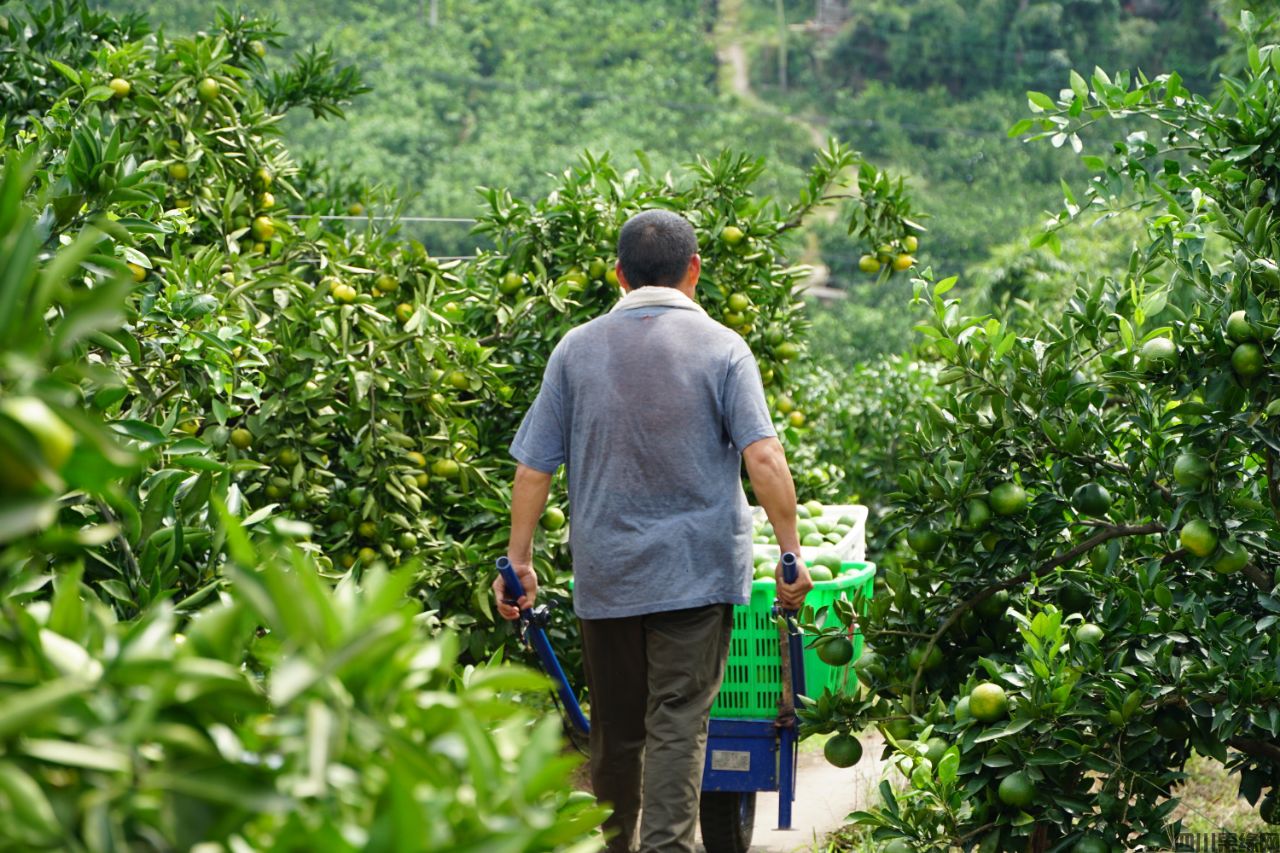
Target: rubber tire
column 728, row 820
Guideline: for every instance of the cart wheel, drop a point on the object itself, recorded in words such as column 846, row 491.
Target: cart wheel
column 728, row 819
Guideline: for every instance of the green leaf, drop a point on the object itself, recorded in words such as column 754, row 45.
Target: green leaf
column 18, row 709
column 1040, row 102
column 67, row 71
column 1079, row 86
column 81, row 755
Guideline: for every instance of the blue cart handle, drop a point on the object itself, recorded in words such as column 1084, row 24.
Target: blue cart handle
column 537, row 638
column 790, row 571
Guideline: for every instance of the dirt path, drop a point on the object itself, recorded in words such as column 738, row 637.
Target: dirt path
column 824, row 797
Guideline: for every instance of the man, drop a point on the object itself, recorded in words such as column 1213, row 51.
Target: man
column 652, row 409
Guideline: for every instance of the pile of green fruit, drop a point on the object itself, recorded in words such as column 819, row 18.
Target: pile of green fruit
column 818, row 527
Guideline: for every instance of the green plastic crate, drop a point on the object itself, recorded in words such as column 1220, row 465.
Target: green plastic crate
column 753, row 674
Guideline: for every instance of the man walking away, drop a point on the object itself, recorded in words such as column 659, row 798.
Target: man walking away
column 652, row 409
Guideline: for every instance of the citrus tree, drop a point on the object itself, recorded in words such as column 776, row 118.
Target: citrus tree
column 1091, row 591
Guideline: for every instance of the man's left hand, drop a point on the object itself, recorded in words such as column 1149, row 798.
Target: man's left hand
column 524, row 571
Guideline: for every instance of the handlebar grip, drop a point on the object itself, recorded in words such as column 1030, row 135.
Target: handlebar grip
column 790, row 567
column 515, row 589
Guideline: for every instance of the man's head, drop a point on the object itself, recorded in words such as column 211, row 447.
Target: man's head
column 657, row 248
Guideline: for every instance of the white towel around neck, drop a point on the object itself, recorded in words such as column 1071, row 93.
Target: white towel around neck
column 648, row 297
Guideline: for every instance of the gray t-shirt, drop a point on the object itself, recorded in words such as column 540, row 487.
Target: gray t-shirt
column 649, row 409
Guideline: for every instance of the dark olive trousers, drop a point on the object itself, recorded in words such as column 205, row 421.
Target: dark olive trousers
column 653, row 679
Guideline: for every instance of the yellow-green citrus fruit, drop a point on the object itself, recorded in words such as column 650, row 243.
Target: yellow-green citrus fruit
column 611, row 276
column 208, row 89
column 900, row 728
column 1017, row 790
column 264, row 177
column 910, row 243
column 732, row 235
column 510, row 283
column 903, row 262
column 1008, row 499
column 869, row 264
column 898, row 845
column 367, row 555
column 55, row 438
column 1159, row 355
column 263, row 228
column 962, row 711
column 796, row 419
column 786, row 405
column 421, row 480
column 459, row 380
column 988, row 702
column 553, row 518
column 597, row 268
column 258, row 48
column 1190, row 470
column 786, row 351
column 837, row 651
column 120, row 87
column 138, row 272
column 977, row 514
column 367, row 529
column 404, row 311
column 407, row 541
column 1247, row 360
column 843, row 750
column 916, row 657
column 179, row 171
column 1239, row 329
column 241, row 438
column 345, row 293
column 446, row 468
column 288, row 457
column 1089, row 634
column 355, row 209
column 387, row 283
column 1232, row 557
column 738, row 302
column 934, row 748
column 416, row 459
column 1198, row 537
column 1091, row 499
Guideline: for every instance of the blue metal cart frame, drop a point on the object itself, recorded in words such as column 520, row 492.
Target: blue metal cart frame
column 743, row 758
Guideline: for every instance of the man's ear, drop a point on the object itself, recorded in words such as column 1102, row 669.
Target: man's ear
column 695, row 269
column 622, row 278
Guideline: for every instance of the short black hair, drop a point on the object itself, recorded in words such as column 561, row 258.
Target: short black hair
column 655, row 247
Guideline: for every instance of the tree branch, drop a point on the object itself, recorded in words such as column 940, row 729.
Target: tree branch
column 1255, row 748
column 1108, row 533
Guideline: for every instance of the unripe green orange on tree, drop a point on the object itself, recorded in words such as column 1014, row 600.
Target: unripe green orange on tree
column 1248, row 360
column 1091, row 499
column 387, row 283
column 263, row 228
column 1088, row 634
column 241, row 438
column 910, row 243
column 842, row 750
column 934, row 748
column 786, row 351
column 1159, row 355
column 977, row 514
column 446, row 468
column 611, row 276
column 510, row 283
column 869, row 264
column 1017, row 790
column 120, row 87
column 553, row 518
column 1008, row 499
column 138, row 271
column 55, row 439
column 1190, row 470
column 1269, row 811
column 738, row 302
column 731, row 235
column 902, row 263
column 207, row 90
column 1091, row 844
column 1239, row 329
column 988, row 702
column 837, row 651
column 179, row 171
column 916, row 657
column 1198, row 537
column 1232, row 557
column 898, row 845
column 994, row 605
column 962, row 711
column 404, row 311
column 924, row 539
column 597, row 269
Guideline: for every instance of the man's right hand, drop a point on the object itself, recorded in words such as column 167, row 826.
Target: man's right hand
column 791, row 595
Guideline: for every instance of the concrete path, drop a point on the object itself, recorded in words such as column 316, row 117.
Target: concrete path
column 825, row 795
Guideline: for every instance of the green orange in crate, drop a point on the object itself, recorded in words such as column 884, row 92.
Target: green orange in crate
column 753, row 676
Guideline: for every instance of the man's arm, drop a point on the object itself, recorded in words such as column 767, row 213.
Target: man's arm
column 771, row 481
column 528, row 500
